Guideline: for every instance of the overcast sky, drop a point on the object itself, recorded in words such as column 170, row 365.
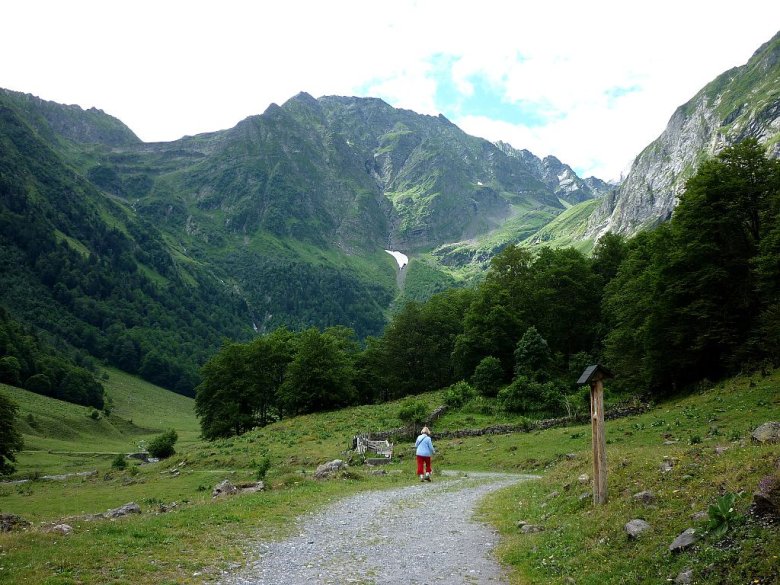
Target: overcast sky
column 591, row 83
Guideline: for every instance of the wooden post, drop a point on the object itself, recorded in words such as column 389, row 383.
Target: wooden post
column 599, row 442
column 595, row 375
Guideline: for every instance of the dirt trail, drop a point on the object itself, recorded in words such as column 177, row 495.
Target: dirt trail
column 419, row 534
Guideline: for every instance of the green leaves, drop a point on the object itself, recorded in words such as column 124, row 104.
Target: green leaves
column 722, row 515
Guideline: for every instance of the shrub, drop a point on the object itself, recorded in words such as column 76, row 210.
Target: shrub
column 458, row 394
column 413, row 412
column 119, row 462
column 263, row 467
column 162, row 445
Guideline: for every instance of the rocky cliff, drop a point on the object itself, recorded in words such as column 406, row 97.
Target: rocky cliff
column 741, row 103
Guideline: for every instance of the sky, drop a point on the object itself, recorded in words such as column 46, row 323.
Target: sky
column 589, row 82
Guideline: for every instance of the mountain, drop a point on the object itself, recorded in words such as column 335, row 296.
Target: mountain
column 741, row 103
column 147, row 255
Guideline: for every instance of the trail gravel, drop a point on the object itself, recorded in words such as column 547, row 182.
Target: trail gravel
column 422, row 534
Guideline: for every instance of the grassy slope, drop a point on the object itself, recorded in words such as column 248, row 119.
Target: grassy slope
column 202, row 537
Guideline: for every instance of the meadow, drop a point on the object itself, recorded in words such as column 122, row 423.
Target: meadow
column 184, row 536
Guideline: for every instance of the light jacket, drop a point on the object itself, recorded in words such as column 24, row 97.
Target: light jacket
column 424, row 446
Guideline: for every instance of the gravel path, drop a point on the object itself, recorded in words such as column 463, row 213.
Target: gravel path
column 415, row 535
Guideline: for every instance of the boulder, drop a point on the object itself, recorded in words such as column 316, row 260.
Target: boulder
column 10, row 522
column 636, row 527
column 130, row 508
column 769, row 432
column 766, row 498
column 686, row 540
column 583, row 479
column 685, row 577
column 646, row 497
column 251, row 488
column 328, row 468
column 224, row 488
column 531, row 529
column 61, row 529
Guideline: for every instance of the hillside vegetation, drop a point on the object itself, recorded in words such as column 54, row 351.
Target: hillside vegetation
column 199, row 537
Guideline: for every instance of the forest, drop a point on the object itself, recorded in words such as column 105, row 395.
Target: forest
column 689, row 302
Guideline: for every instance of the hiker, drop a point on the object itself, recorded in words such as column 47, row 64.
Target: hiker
column 425, row 449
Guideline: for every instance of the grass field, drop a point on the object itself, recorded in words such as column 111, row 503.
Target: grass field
column 200, row 537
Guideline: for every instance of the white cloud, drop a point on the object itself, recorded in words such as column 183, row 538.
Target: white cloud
column 172, row 68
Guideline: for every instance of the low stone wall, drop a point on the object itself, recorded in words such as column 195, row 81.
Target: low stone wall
column 401, row 433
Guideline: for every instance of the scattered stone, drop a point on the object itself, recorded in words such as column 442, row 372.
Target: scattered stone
column 251, row 488
column 666, row 467
column 571, row 456
column 700, row 516
column 583, row 479
column 671, row 442
column 143, row 456
column 684, row 578
column 130, row 508
column 223, row 488
column 379, row 472
column 10, row 522
column 531, row 529
column 328, row 468
column 61, row 529
column 553, row 495
column 769, row 432
column 719, row 450
column 686, row 540
column 521, row 523
column 585, row 496
column 646, row 497
column 766, row 498
column 163, row 508
column 636, row 527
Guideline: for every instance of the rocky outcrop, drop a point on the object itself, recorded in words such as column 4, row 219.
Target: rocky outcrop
column 741, row 103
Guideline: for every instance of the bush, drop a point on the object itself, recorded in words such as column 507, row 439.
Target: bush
column 458, row 394
column 263, row 467
column 119, row 462
column 162, row 445
column 413, row 412
column 528, row 396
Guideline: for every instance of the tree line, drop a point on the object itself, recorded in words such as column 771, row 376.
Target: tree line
column 696, row 298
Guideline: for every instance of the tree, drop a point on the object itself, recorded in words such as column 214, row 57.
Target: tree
column 488, row 376
column 319, row 377
column 533, row 358
column 10, row 438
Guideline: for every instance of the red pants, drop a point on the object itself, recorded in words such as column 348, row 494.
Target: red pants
column 423, row 462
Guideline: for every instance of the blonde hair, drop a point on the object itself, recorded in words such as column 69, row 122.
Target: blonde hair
column 426, row 431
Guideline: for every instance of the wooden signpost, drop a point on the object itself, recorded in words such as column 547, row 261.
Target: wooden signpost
column 595, row 375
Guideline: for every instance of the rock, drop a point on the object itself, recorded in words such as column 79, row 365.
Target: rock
column 766, row 498
column 684, row 578
column 223, row 488
column 61, row 529
column 700, row 516
column 130, row 508
column 646, row 497
column 585, row 496
column 553, row 495
column 521, row 523
column 686, row 540
column 326, row 469
column 531, row 529
column 666, row 467
column 10, row 522
column 719, row 450
column 768, row 432
column 251, row 488
column 142, row 456
column 571, row 456
column 583, row 479
column 636, row 527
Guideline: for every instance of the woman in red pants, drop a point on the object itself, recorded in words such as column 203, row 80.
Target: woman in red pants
column 425, row 449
